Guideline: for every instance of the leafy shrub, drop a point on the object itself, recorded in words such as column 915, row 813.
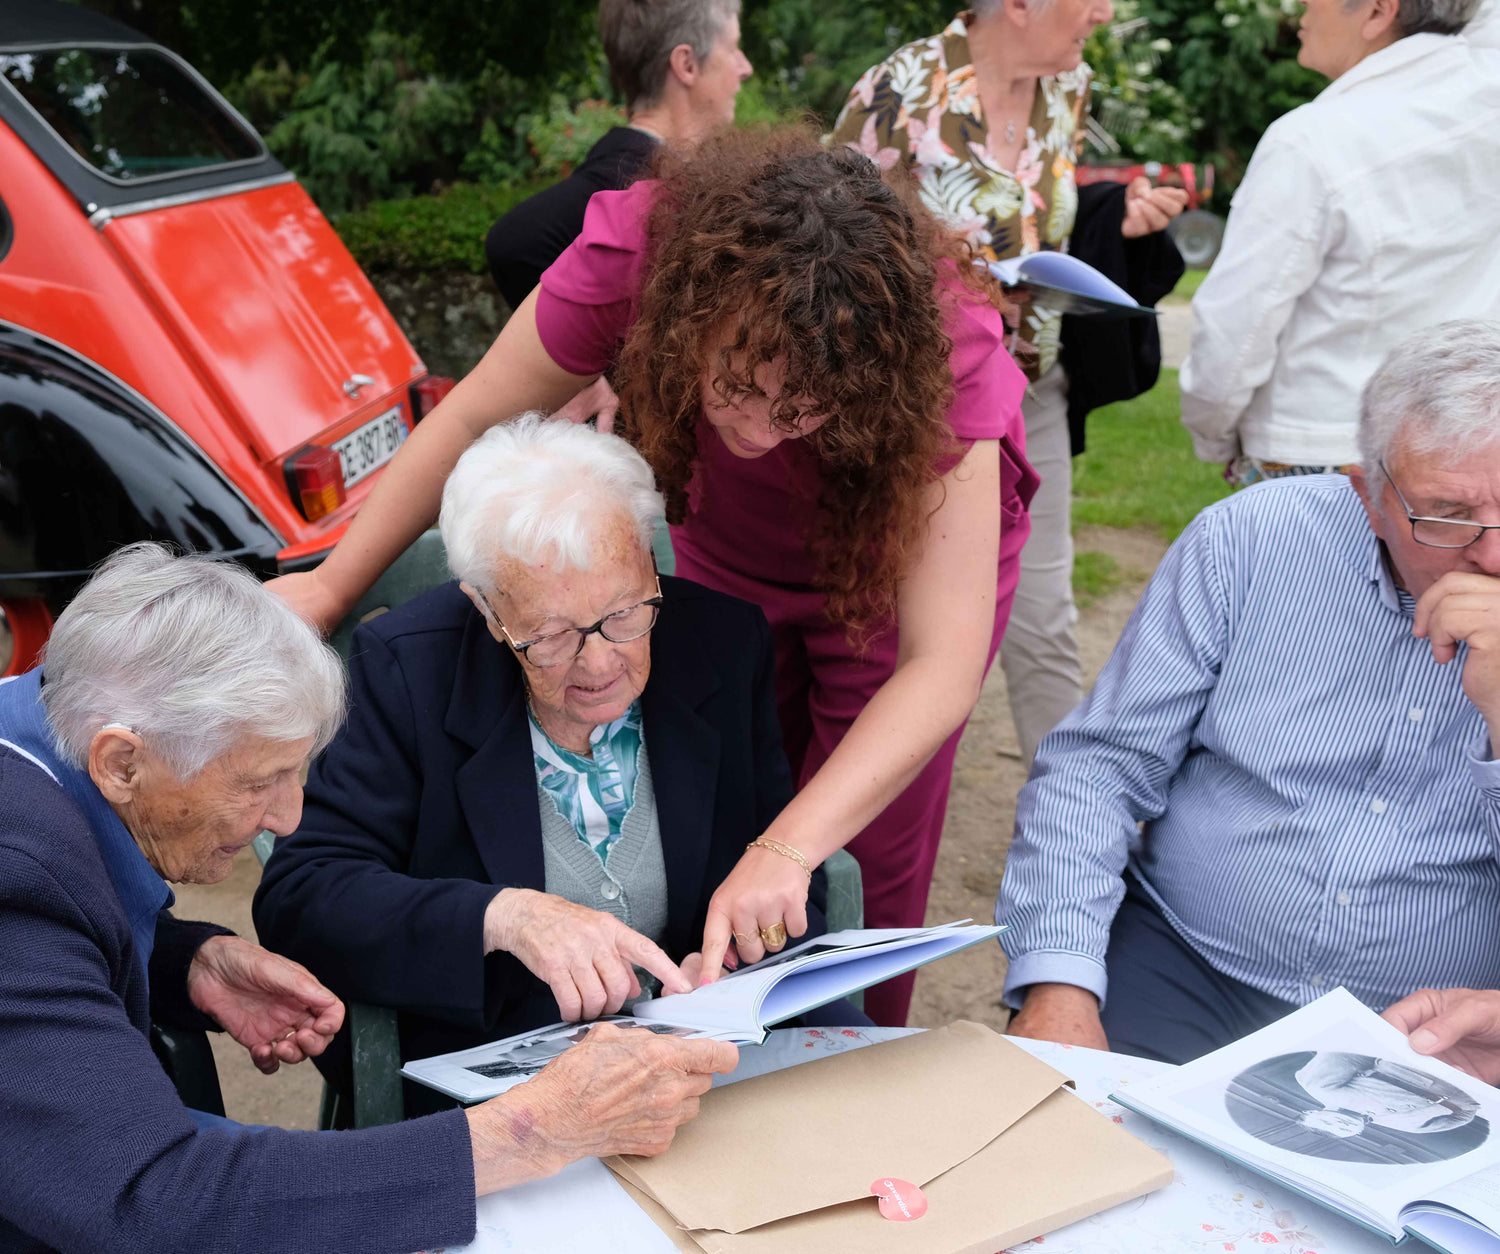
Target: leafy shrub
column 441, row 232
column 388, row 126
column 561, row 137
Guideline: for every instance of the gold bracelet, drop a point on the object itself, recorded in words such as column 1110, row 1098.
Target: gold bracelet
column 786, row 851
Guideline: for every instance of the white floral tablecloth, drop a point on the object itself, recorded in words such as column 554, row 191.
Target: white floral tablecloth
column 1212, row 1207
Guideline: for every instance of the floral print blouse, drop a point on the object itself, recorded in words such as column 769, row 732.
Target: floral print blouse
column 921, row 105
column 594, row 794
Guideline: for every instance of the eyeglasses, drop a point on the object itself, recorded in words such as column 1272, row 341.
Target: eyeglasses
column 1439, row 533
column 558, row 647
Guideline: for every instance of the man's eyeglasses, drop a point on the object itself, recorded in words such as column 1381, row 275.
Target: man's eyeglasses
column 1439, row 533
column 558, row 647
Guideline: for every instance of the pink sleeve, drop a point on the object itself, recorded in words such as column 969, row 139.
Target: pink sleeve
column 987, row 383
column 587, row 297
column 988, row 387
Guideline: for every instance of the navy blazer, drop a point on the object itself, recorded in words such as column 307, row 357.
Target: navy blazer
column 426, row 803
column 99, row 1151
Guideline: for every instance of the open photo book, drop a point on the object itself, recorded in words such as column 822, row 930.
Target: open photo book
column 740, row 1007
column 1333, row 1103
column 1070, row 286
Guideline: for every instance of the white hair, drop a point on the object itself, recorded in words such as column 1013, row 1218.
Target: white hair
column 538, row 491
column 1434, row 17
column 191, row 654
column 1438, row 390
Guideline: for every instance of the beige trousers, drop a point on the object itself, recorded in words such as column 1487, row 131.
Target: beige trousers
column 1039, row 654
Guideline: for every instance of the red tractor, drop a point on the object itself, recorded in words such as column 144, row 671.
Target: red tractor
column 1196, row 231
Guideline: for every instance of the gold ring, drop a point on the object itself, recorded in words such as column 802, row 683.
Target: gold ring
column 742, row 940
column 774, row 936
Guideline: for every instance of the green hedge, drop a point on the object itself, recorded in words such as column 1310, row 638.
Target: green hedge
column 442, row 232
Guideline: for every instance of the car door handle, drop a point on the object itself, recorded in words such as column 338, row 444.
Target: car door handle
column 354, row 382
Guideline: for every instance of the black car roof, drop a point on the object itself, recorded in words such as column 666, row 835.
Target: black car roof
column 25, row 22
column 31, row 24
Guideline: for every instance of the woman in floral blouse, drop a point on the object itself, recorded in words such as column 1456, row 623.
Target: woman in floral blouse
column 987, row 116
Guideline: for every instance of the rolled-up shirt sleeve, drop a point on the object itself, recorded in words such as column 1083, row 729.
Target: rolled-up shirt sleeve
column 1274, row 246
column 1484, row 770
column 1108, row 767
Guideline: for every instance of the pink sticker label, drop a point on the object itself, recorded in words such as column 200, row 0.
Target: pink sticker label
column 899, row 1199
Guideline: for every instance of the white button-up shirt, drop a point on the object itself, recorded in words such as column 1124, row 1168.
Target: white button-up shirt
column 1366, row 215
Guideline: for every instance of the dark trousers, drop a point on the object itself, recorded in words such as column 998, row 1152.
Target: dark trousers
column 1164, row 1000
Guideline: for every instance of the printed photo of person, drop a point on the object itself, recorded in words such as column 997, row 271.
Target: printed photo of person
column 529, row 1055
column 1355, row 1108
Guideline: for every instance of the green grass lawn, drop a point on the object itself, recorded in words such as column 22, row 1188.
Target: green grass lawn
column 1187, row 287
column 1139, row 469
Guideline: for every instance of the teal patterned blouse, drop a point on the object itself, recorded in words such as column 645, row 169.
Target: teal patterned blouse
column 594, row 794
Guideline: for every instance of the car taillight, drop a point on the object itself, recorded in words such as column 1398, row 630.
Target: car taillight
column 315, row 478
column 426, row 394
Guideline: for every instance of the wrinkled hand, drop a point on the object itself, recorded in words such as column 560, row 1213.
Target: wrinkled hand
column 306, row 593
column 596, row 399
column 1460, row 1026
column 269, row 1004
column 765, row 888
column 1464, row 608
column 585, row 956
column 618, row 1091
column 1148, row 209
column 1060, row 1012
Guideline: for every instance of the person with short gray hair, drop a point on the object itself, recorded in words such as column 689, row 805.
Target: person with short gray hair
column 1288, row 768
column 189, row 655
column 1336, row 250
column 550, row 766
column 175, row 707
column 679, row 66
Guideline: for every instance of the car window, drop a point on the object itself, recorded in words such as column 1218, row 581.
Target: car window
column 130, row 113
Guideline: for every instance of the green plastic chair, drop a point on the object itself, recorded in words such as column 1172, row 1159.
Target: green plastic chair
column 373, row 1031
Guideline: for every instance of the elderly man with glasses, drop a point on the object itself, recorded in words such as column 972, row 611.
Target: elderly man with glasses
column 548, row 768
column 1285, row 778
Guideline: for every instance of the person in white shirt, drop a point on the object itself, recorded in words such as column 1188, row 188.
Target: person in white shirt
column 1365, row 216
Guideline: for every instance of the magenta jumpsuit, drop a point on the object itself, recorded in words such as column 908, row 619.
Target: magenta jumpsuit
column 746, row 531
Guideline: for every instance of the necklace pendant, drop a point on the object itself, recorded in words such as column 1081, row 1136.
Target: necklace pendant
column 1010, row 132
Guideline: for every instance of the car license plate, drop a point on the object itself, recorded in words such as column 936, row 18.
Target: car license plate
column 368, row 447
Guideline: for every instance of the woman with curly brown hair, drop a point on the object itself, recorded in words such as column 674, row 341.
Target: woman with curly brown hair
column 821, row 385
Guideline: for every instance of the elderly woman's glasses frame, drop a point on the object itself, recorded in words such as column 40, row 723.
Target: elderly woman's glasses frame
column 620, row 627
column 1438, row 529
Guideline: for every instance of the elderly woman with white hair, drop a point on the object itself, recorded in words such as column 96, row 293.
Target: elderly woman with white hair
column 169, row 724
column 988, row 116
column 549, row 766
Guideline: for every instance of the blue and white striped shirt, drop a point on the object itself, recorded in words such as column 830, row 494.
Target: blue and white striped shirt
column 1318, row 799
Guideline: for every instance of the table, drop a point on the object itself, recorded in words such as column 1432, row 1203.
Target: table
column 1212, row 1207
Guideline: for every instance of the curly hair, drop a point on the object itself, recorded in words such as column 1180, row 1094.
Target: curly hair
column 766, row 249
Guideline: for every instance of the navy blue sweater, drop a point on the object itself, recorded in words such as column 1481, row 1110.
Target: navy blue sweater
column 99, row 1152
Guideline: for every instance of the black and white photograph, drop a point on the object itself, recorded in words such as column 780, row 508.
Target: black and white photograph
column 528, row 1056
column 1355, row 1108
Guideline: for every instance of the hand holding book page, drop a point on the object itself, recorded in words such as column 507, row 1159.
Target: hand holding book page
column 739, row 1008
column 1333, row 1102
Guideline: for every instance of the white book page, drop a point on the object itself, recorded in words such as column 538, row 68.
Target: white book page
column 1332, row 1100
column 1060, row 270
column 735, row 1002
column 1476, row 1196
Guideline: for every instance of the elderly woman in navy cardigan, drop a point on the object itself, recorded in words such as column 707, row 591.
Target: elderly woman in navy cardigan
column 549, row 765
column 177, row 706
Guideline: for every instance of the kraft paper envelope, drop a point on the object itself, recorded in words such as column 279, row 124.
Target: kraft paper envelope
column 784, row 1162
